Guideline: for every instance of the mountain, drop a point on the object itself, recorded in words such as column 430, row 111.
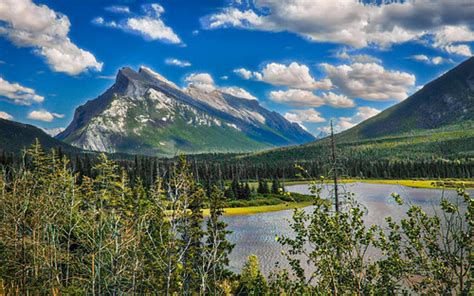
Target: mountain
column 448, row 100
column 435, row 122
column 16, row 136
column 145, row 113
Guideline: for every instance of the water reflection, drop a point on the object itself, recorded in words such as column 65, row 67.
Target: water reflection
column 255, row 234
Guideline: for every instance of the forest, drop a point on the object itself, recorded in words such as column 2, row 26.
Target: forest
column 210, row 168
column 106, row 233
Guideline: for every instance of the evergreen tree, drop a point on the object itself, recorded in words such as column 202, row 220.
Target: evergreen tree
column 275, row 186
column 252, row 282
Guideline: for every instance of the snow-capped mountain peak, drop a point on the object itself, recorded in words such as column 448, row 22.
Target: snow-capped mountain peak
column 143, row 112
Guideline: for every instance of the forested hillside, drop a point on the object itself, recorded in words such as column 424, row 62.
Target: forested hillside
column 15, row 136
column 446, row 101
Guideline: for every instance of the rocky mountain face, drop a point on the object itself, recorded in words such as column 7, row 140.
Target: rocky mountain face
column 145, row 113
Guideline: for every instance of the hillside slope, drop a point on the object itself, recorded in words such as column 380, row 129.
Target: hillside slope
column 15, row 136
column 448, row 100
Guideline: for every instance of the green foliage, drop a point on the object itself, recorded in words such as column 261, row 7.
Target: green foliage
column 102, row 236
column 252, row 281
column 61, row 234
column 338, row 253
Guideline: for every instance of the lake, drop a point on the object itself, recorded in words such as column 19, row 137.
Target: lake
column 255, row 234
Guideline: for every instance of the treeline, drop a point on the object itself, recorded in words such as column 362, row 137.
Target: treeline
column 214, row 168
column 61, row 233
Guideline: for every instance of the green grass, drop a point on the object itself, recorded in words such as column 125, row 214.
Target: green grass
column 266, row 203
column 262, row 209
column 431, row 184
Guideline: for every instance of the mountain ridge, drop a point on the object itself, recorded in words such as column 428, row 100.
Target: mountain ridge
column 144, row 112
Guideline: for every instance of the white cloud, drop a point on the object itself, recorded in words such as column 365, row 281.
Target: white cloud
column 5, row 115
column 453, row 34
column 200, row 78
column 354, row 23
column 424, row 58
column 302, row 116
column 244, row 73
column 294, row 75
column 29, row 25
column 110, row 77
column 370, row 81
column 238, row 92
column 43, row 115
column 358, row 58
column 53, row 131
column 205, row 82
column 296, row 98
column 178, row 63
column 225, row 77
column 462, row 50
column 18, row 94
column 337, row 101
column 363, row 113
column 118, row 9
column 438, row 60
column 306, row 98
column 421, row 58
column 148, row 25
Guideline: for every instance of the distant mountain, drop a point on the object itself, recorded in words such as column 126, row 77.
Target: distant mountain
column 15, row 136
column 435, row 122
column 145, row 113
column 448, row 100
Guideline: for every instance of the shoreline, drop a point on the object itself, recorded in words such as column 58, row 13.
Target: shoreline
column 262, row 209
column 413, row 183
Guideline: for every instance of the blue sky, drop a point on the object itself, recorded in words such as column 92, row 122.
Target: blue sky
column 312, row 62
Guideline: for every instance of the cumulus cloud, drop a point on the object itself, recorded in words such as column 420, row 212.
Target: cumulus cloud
column 149, row 25
column 462, row 50
column 363, row 113
column 343, row 123
column 205, row 82
column 302, row 116
column 296, row 98
column 43, row 115
column 244, row 73
column 354, row 23
column 294, row 75
column 29, row 25
column 238, row 92
column 337, row 101
column 178, row 63
column 306, row 98
column 5, row 115
column 18, row 94
column 424, row 58
column 370, row 81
